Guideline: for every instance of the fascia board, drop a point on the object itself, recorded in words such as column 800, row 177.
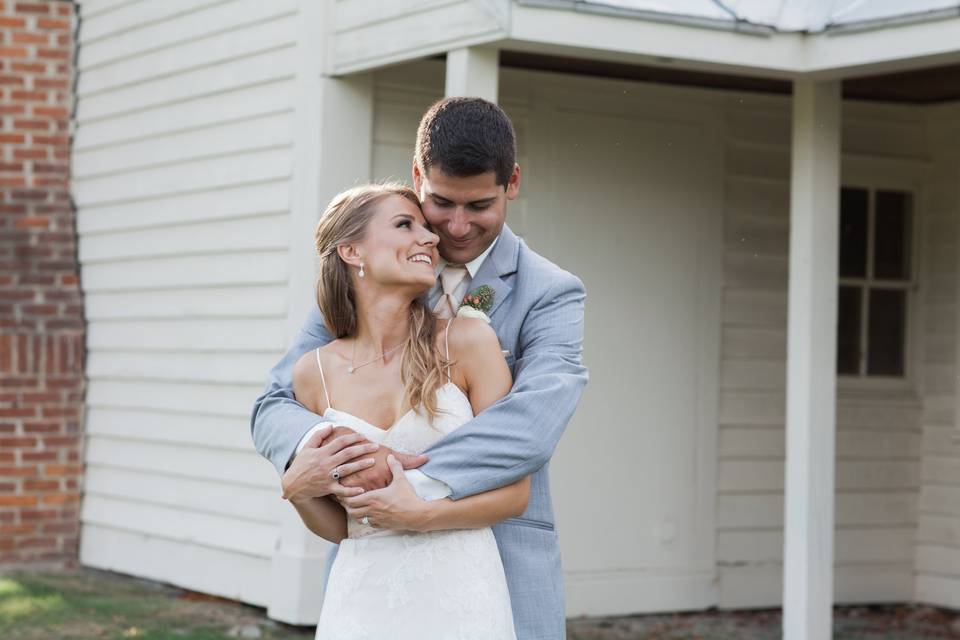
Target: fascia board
column 601, row 36
column 896, row 48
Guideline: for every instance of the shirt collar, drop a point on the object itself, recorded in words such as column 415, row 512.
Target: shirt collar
column 473, row 266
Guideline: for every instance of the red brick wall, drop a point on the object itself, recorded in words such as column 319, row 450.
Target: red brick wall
column 41, row 312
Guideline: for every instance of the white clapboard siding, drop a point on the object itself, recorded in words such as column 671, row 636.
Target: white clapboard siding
column 217, row 17
column 225, row 366
column 260, row 132
column 209, row 569
column 239, row 302
column 235, row 269
column 250, row 233
column 878, row 470
column 938, row 529
column 182, row 164
column 217, row 432
column 258, row 198
column 239, row 103
column 369, row 32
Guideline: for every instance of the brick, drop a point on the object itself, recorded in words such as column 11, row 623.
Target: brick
column 40, row 456
column 51, row 83
column 9, row 21
column 28, row 67
column 13, row 52
column 51, row 112
column 12, row 138
column 33, row 543
column 33, row 7
column 38, row 514
column 30, row 124
column 18, row 501
column 53, row 54
column 29, row 153
column 32, row 222
column 30, row 38
column 26, row 527
column 13, row 182
column 62, row 469
column 72, row 528
column 34, row 96
column 11, row 81
column 60, row 498
column 46, row 23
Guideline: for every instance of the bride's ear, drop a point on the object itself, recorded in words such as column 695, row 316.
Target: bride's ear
column 350, row 254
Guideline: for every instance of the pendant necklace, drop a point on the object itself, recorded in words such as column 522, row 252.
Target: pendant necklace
column 354, row 367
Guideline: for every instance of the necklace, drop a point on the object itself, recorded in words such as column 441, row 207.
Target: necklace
column 353, row 367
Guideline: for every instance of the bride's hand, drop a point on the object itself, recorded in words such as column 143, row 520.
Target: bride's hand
column 396, row 507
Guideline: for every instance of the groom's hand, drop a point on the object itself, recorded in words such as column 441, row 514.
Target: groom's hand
column 309, row 475
column 379, row 475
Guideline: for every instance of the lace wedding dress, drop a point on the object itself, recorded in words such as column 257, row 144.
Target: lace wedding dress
column 440, row 585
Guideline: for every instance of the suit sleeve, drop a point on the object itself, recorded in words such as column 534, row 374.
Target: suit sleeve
column 279, row 422
column 518, row 434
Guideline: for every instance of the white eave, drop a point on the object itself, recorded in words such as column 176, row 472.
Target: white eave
column 786, row 39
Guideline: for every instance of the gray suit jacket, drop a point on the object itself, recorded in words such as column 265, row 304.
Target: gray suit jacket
column 537, row 314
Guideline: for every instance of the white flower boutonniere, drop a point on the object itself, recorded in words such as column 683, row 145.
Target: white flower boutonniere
column 476, row 303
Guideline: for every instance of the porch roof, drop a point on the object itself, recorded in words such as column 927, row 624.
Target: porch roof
column 778, row 15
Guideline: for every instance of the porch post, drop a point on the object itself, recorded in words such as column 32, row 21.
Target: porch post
column 811, row 362
column 333, row 138
column 473, row 71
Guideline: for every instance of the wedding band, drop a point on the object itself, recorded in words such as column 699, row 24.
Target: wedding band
column 335, row 473
column 364, row 520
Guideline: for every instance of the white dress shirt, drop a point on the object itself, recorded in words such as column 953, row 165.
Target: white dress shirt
column 426, row 487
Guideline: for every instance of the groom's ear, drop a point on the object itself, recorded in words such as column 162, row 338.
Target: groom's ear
column 513, row 183
column 350, row 254
column 417, row 179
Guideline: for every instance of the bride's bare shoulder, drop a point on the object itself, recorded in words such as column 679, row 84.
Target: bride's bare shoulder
column 469, row 336
column 307, row 380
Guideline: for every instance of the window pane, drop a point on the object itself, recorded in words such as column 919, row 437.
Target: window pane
column 887, row 332
column 891, row 244
column 848, row 331
column 853, row 233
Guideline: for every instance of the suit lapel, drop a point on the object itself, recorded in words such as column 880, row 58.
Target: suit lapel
column 501, row 262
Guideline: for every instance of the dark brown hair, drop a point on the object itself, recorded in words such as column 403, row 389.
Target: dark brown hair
column 465, row 137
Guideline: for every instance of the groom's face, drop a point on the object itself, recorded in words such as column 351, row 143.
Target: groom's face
column 466, row 212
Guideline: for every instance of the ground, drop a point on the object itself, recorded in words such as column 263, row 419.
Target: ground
column 87, row 604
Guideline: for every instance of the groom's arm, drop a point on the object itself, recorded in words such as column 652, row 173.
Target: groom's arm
column 517, row 435
column 279, row 422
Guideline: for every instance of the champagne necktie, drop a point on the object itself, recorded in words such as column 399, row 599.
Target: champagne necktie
column 450, row 278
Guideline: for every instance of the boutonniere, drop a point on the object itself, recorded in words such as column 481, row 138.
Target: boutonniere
column 476, row 303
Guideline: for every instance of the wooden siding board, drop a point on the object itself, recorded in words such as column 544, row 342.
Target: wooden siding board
column 238, row 576
column 241, row 269
column 238, row 103
column 270, row 130
column 217, row 432
column 227, row 203
column 224, row 367
column 236, row 73
column 217, row 53
column 210, row 20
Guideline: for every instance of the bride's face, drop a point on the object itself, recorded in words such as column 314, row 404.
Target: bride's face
column 399, row 248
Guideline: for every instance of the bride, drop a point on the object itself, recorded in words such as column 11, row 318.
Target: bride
column 400, row 377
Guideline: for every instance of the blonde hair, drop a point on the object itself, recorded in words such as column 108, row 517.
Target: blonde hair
column 345, row 221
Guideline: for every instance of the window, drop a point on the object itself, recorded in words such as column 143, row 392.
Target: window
column 875, row 277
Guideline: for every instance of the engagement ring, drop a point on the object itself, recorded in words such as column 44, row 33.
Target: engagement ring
column 364, row 520
column 335, row 473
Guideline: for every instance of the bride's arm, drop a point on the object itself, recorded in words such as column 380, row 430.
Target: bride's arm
column 322, row 516
column 482, row 371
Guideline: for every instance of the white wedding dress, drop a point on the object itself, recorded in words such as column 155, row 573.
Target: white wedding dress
column 441, row 585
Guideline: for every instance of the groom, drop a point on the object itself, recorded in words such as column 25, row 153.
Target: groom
column 465, row 172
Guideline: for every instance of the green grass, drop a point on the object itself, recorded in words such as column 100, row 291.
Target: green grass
column 89, row 604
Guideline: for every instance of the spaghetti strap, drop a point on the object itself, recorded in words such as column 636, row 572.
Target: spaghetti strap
column 323, row 380
column 446, row 344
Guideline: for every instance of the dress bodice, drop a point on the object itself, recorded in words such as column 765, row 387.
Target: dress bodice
column 412, row 433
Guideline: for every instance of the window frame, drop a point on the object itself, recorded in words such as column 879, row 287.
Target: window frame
column 881, row 174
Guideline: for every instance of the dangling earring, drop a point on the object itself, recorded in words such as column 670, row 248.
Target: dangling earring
column 361, row 270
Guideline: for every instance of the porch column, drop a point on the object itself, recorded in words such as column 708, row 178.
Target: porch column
column 811, row 362
column 332, row 142
column 473, row 71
